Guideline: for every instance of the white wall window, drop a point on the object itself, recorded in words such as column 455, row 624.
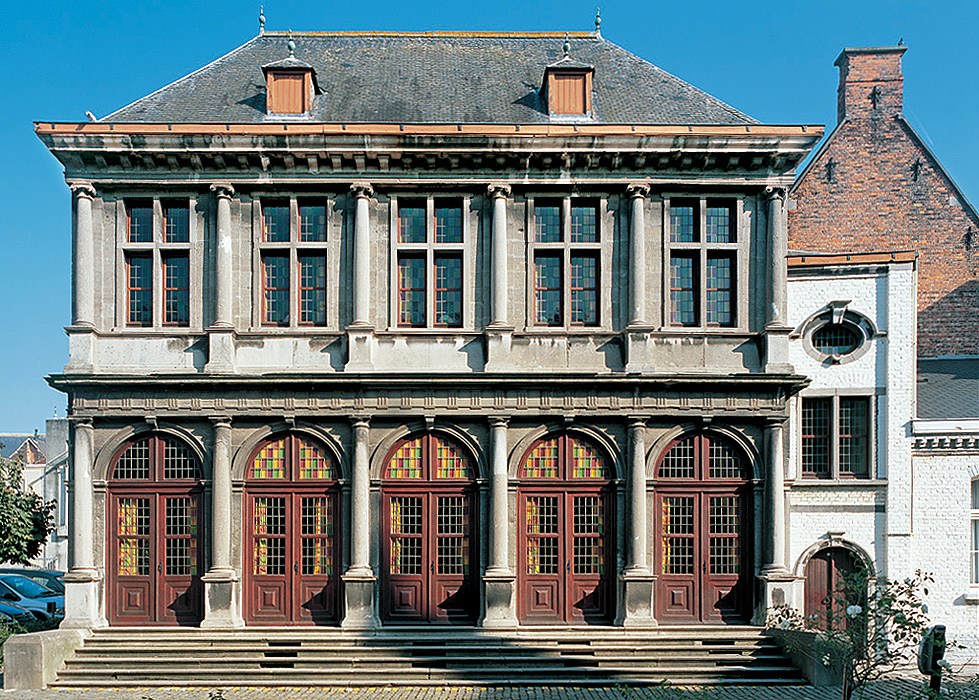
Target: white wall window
column 837, row 436
column 974, row 527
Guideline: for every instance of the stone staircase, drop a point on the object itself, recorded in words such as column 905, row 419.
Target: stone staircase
column 426, row 656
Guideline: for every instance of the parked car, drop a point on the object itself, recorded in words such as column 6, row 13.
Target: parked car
column 45, row 577
column 10, row 614
column 21, row 591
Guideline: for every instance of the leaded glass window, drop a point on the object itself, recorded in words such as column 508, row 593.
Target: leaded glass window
column 156, row 457
column 292, row 457
column 565, row 457
column 429, row 457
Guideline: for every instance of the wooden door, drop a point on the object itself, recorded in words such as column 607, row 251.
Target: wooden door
column 155, row 569
column 428, row 561
column 564, row 554
column 826, row 572
column 701, row 557
column 291, row 549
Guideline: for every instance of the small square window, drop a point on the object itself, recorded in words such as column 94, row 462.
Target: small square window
column 140, row 223
column 412, row 221
column 176, row 223
column 275, row 222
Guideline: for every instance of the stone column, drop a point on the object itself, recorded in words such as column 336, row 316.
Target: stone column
column 776, row 330
column 83, row 263
column 499, row 333
column 636, row 583
column 83, row 607
column 221, row 594
column 362, row 193
column 498, row 579
column 777, row 582
column 637, row 254
column 221, row 339
column 359, row 578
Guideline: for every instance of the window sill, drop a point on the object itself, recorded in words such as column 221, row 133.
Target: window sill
column 839, row 483
column 395, row 331
column 972, row 596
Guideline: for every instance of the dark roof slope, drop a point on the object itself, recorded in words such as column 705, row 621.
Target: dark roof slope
column 948, row 388
column 433, row 77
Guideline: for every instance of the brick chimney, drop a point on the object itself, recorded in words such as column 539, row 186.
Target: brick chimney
column 871, row 84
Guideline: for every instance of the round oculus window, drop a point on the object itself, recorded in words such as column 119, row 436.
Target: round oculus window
column 835, row 339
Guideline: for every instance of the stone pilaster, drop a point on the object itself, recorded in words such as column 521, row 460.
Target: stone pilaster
column 636, row 583
column 776, row 580
column 498, row 581
column 360, row 333
column 638, row 348
column 222, row 599
column 359, row 580
column 83, row 260
column 499, row 333
column 83, row 604
column 221, row 335
column 776, row 330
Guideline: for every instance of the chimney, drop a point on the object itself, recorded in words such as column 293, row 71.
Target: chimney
column 871, row 84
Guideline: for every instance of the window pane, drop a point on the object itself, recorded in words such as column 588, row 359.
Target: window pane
column 586, row 461
column 584, row 224
column 679, row 462
column 317, row 536
column 141, row 223
column 406, row 531
column 854, row 425
column 584, row 290
column 724, row 462
column 176, row 288
column 275, row 223
column 411, row 223
column 312, row 223
column 453, row 535
column 411, row 291
column 270, row 462
column 589, row 535
column 834, row 339
column 542, row 529
column 275, row 287
column 975, row 494
column 678, row 535
column 268, row 531
column 176, row 224
column 181, row 536
column 314, row 462
column 178, row 460
column 140, row 276
column 450, row 460
column 719, row 223
column 547, row 223
column 543, row 460
column 974, row 564
column 547, row 290
column 312, row 290
column 815, row 437
column 725, row 554
column 448, row 224
column 682, row 223
column 720, row 290
column 448, row 291
column 133, row 529
column 407, row 461
column 134, row 462
column 683, row 293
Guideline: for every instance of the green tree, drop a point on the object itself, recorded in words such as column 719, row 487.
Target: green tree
column 25, row 519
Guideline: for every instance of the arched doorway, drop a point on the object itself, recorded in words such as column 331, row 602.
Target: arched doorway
column 564, row 533
column 833, row 584
column 155, row 542
column 291, row 528
column 428, row 554
column 704, row 531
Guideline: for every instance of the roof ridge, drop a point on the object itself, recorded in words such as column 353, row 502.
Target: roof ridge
column 437, row 34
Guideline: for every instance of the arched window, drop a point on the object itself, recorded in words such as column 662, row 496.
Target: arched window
column 426, row 457
column 292, row 521
column 702, row 456
column 155, row 539
column 565, row 457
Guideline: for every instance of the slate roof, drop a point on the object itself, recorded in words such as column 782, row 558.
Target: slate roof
column 948, row 388
column 432, row 77
column 22, row 446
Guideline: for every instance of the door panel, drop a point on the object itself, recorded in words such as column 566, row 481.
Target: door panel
column 428, row 567
column 292, row 568
column 563, row 554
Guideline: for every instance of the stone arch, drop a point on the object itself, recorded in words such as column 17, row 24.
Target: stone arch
column 381, row 453
column 736, row 437
column 107, row 455
column 611, row 452
column 241, row 459
column 832, row 540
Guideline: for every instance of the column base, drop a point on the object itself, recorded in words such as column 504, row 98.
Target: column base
column 220, row 350
column 777, row 349
column 81, row 348
column 360, row 348
column 221, row 600
column 499, row 341
column 499, row 599
column 777, row 588
column 638, row 348
column 83, row 600
column 358, row 597
column 636, row 600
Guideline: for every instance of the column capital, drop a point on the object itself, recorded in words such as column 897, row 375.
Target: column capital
column 498, row 421
column 82, row 190
column 773, row 193
column 360, row 421
column 81, row 421
column 220, row 421
column 223, row 190
column 498, row 190
column 637, row 421
column 362, row 190
column 774, row 422
column 637, row 189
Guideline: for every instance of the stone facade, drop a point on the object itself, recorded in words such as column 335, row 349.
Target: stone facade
column 875, row 186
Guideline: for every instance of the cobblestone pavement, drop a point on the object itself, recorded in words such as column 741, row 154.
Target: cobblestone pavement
column 899, row 689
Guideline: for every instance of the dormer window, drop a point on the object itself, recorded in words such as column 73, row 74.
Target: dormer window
column 289, row 86
column 568, row 86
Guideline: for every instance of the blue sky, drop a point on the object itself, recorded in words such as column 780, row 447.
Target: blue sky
column 773, row 61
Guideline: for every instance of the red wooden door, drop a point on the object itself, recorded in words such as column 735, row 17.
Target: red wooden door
column 564, row 552
column 293, row 572
column 155, row 565
column 427, row 557
column 826, row 596
column 702, row 575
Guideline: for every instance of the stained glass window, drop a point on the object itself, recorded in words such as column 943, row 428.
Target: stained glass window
column 406, row 535
column 275, row 222
column 543, row 460
column 133, row 531
column 176, row 290
column 448, row 290
column 719, row 220
column 584, row 224
column 270, row 463
column 141, row 223
column 181, row 536
column 720, row 290
column 542, row 534
column 683, row 222
column 407, row 461
column 411, row 290
column 317, row 536
column 725, row 539
column 586, row 461
column 683, row 290
column 678, row 535
column 584, row 290
column 268, row 531
column 547, row 223
column 453, row 535
column 450, row 460
column 411, row 223
column 547, row 290
column 312, row 223
column 448, row 224
column 312, row 290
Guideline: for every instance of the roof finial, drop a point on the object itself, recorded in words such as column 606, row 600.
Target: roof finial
column 291, row 45
column 261, row 19
column 598, row 21
column 900, row 42
column 567, row 45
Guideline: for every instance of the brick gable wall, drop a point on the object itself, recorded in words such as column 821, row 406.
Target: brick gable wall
column 866, row 193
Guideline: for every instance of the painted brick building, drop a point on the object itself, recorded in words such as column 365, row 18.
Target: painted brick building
column 874, row 185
